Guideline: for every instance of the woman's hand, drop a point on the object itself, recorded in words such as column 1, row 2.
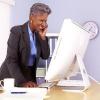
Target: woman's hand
column 43, row 31
column 29, row 84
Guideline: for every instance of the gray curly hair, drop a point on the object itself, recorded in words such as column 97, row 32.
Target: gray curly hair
column 39, row 8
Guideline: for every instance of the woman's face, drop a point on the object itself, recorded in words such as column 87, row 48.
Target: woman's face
column 38, row 22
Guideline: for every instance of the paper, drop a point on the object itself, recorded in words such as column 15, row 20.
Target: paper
column 30, row 94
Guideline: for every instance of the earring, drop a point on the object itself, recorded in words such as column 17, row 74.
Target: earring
column 31, row 21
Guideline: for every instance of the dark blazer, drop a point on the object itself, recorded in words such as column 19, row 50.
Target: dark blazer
column 15, row 64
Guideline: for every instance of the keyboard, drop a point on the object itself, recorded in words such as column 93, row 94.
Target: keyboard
column 1, row 88
column 70, row 83
column 47, row 85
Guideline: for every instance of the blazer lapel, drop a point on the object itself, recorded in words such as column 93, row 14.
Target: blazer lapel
column 26, row 39
column 26, row 35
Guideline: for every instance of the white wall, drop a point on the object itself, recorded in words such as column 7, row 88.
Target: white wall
column 5, row 15
column 78, row 10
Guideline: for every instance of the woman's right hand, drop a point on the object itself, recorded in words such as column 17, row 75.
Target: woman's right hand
column 29, row 84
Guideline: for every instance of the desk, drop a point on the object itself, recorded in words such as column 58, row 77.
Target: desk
column 56, row 93
column 93, row 93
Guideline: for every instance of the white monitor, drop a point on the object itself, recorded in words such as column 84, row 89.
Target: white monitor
column 72, row 41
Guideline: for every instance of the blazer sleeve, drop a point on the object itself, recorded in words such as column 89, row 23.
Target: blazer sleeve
column 45, row 50
column 12, row 56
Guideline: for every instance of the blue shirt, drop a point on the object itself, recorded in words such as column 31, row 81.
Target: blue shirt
column 33, row 50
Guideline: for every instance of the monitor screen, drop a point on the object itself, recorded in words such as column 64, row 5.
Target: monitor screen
column 72, row 40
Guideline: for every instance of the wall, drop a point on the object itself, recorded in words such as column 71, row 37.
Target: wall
column 78, row 10
column 5, row 15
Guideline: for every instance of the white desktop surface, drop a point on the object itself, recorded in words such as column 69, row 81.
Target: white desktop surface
column 56, row 93
column 92, row 93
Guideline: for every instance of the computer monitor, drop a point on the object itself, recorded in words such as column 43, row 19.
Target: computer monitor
column 72, row 41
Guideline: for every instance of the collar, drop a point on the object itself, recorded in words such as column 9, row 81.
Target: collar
column 29, row 30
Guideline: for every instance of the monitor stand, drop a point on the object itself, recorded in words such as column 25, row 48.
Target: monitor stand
column 76, row 85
